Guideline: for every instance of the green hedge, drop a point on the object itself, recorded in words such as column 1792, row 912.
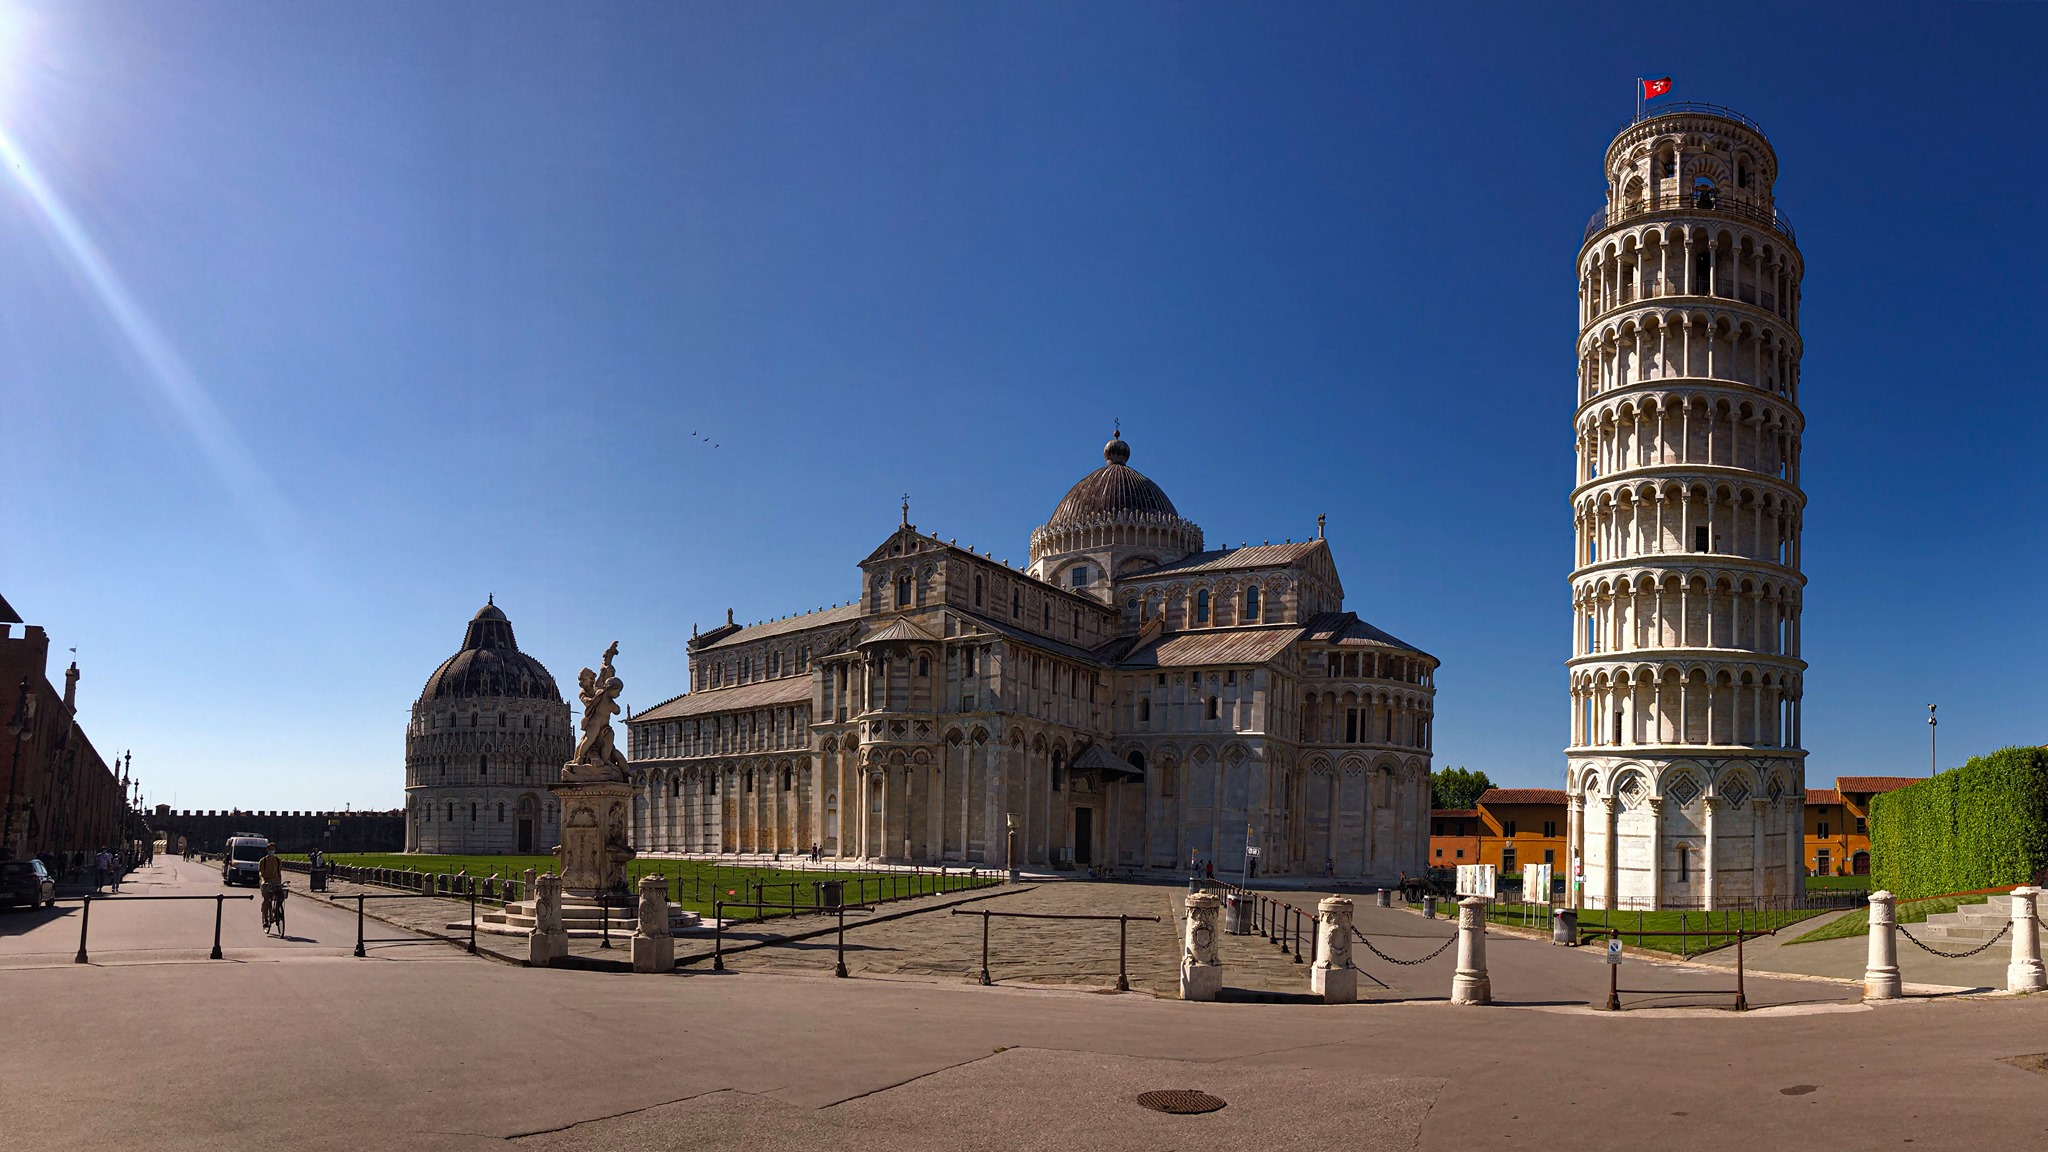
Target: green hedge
column 1983, row 825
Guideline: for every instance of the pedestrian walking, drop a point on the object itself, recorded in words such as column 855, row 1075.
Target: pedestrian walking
column 101, row 865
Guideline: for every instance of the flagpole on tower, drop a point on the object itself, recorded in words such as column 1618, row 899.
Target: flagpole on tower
column 1639, row 97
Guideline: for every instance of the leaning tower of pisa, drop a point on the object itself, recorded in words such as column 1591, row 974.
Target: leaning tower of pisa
column 1685, row 777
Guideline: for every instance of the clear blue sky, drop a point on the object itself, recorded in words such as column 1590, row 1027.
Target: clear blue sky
column 319, row 322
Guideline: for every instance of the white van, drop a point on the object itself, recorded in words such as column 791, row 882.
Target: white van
column 240, row 862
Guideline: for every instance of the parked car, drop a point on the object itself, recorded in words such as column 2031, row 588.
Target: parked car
column 26, row 882
column 239, row 864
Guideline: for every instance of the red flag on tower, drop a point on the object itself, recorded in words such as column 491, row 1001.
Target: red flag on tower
column 1655, row 88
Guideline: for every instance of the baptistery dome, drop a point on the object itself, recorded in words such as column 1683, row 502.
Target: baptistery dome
column 488, row 734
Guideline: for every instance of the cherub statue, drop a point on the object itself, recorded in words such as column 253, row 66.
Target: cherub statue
column 597, row 758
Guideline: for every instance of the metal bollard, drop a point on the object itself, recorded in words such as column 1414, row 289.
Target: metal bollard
column 839, row 967
column 1123, row 982
column 1881, row 970
column 84, row 922
column 2024, row 973
column 985, row 981
column 1471, row 984
column 219, row 902
column 360, row 953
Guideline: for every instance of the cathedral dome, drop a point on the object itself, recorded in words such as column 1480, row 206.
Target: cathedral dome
column 1115, row 489
column 490, row 664
column 1114, row 519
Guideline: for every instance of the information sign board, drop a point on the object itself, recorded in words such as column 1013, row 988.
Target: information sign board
column 1477, row 880
column 1536, row 883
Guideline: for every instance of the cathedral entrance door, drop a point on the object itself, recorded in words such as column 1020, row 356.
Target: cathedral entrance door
column 525, row 835
column 1084, row 835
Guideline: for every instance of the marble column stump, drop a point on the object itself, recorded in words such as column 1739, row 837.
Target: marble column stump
column 2024, row 973
column 594, row 850
column 1881, row 970
column 548, row 941
column 1471, row 985
column 1332, row 977
column 1201, row 967
column 654, row 950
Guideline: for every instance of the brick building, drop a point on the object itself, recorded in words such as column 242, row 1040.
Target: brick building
column 57, row 795
column 1838, row 823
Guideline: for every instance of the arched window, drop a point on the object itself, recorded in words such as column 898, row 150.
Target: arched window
column 1202, row 606
column 451, row 812
column 501, row 720
column 977, row 589
column 1684, row 864
column 924, row 667
column 1215, row 708
column 1016, row 603
column 1251, row 604
column 483, row 765
column 1144, row 709
column 1137, row 759
column 472, row 718
column 1059, row 770
column 501, row 811
column 788, row 778
column 1046, row 625
column 903, row 591
column 472, row 811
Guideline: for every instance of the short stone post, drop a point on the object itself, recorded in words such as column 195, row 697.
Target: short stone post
column 426, row 883
column 1471, row 985
column 2024, row 973
column 1881, row 970
column 1332, row 977
column 548, row 941
column 654, row 950
column 526, row 888
column 1201, row 968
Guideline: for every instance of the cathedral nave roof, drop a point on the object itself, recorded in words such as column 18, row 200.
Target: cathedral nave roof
column 1231, row 560
column 1208, row 646
column 745, row 697
column 747, row 634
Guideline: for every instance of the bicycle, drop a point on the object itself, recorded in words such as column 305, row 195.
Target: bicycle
column 273, row 909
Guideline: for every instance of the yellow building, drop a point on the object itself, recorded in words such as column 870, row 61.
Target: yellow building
column 1509, row 828
column 1838, row 823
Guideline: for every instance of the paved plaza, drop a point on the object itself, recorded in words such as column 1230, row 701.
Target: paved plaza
column 296, row 1044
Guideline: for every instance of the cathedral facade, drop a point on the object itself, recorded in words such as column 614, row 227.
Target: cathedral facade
column 1129, row 698
column 487, row 735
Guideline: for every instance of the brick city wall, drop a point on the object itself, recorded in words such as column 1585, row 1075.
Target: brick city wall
column 208, row 831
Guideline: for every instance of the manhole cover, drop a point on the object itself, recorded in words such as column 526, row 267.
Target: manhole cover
column 1180, row 1102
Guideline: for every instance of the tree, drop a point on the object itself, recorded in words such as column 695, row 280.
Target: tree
column 1457, row 788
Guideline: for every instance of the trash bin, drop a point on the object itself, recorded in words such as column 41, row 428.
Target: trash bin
column 1429, row 907
column 1237, row 914
column 1564, row 927
column 1386, row 899
column 317, row 879
column 829, row 893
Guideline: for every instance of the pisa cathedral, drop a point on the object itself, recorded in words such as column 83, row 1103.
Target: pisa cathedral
column 1131, row 698
column 1685, row 776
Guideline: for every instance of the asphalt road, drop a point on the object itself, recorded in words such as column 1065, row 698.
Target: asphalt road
column 294, row 1044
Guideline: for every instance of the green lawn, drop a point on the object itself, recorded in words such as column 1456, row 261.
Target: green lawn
column 1857, row 923
column 693, row 884
column 1838, row 883
column 1706, row 931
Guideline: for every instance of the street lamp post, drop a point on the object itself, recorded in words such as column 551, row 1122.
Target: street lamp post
column 1932, row 763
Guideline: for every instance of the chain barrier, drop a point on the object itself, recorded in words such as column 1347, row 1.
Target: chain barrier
column 1403, row 963
column 2003, row 929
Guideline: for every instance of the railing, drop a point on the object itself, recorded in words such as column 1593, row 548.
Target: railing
column 1123, row 981
column 1692, row 108
column 85, row 920
column 1691, row 200
column 1614, row 988
column 718, row 929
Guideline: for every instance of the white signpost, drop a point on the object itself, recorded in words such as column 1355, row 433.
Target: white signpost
column 1536, row 883
column 1614, row 949
column 1477, row 880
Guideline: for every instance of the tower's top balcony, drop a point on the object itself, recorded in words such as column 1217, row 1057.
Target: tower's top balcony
column 1691, row 201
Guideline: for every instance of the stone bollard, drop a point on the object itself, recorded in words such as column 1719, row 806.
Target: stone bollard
column 548, row 941
column 1881, row 971
column 1332, row 977
column 427, row 883
column 1201, row 969
column 526, row 885
column 2024, row 973
column 1471, row 985
column 491, row 886
column 654, row 950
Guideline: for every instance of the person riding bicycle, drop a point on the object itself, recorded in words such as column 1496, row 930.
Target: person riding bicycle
column 270, row 874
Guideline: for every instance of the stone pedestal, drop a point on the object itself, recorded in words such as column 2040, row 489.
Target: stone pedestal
column 1471, row 985
column 595, row 832
column 1881, row 970
column 1201, row 968
column 1332, row 977
column 2024, row 973
column 654, row 949
column 547, row 942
